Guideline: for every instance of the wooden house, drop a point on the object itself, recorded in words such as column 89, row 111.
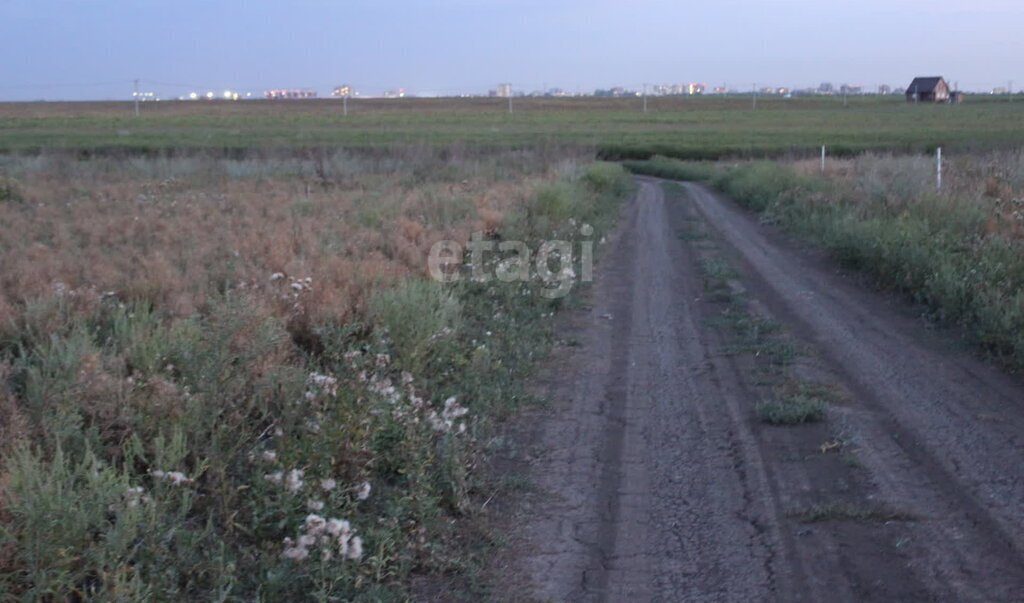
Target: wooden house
column 928, row 90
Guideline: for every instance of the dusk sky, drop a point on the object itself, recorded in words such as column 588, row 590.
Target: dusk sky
column 79, row 49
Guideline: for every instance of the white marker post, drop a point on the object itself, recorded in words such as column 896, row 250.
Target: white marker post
column 822, row 159
column 938, row 167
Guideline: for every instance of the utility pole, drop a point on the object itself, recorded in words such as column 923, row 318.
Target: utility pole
column 754, row 90
column 645, row 98
column 510, row 100
column 135, row 95
column 344, row 105
column 1009, row 89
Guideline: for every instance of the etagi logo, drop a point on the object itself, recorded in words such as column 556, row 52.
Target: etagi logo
column 553, row 264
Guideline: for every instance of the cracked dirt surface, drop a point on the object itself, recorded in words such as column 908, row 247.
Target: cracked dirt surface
column 653, row 478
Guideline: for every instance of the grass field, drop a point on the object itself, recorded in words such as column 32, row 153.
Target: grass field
column 695, row 128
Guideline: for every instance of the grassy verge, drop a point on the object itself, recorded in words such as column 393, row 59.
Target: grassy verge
column 958, row 251
column 277, row 405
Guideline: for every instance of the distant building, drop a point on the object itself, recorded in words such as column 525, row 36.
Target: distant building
column 695, row 88
column 503, row 90
column 850, row 89
column 719, row 90
column 397, row 93
column 884, row 90
column 290, row 94
column 928, row 90
column 343, row 91
column 825, row 88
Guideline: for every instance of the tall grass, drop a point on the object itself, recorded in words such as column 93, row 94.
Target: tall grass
column 958, row 251
column 232, row 380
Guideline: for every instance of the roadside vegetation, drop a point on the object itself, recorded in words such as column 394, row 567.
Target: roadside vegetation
column 958, row 251
column 232, row 378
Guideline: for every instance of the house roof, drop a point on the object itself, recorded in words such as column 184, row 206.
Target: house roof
column 923, row 85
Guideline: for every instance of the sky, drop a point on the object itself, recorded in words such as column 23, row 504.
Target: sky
column 92, row 49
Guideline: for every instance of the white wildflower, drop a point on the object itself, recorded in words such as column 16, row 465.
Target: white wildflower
column 275, row 477
column 307, row 540
column 269, row 456
column 452, row 410
column 314, row 505
column 338, row 527
column 295, row 553
column 293, row 481
column 363, row 492
column 276, row 276
column 134, row 495
column 176, row 478
column 355, row 549
column 328, row 484
column 325, row 384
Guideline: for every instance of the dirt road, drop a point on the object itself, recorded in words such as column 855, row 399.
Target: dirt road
column 655, row 478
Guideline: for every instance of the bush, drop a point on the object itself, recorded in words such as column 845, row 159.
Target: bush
column 418, row 316
column 607, row 178
column 10, row 190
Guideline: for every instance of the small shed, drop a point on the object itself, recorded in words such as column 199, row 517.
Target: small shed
column 928, row 90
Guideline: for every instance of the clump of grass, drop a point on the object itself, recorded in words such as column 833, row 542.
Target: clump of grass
column 841, row 511
column 419, row 317
column 716, row 271
column 693, row 233
column 796, row 402
column 10, row 190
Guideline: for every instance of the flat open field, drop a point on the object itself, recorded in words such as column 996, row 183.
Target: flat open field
column 702, row 128
column 225, row 371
